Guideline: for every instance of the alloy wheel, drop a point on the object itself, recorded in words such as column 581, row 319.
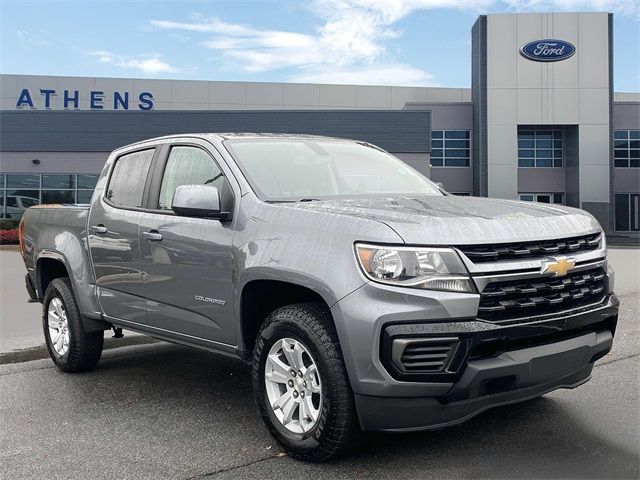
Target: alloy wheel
column 58, row 326
column 293, row 385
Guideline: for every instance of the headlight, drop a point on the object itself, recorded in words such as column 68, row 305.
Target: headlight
column 426, row 268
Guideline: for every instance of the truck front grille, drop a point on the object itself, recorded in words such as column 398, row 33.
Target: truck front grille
column 518, row 251
column 524, row 300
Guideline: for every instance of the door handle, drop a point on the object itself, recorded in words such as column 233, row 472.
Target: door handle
column 152, row 236
column 99, row 229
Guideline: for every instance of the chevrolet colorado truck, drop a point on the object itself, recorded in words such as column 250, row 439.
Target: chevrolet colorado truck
column 364, row 296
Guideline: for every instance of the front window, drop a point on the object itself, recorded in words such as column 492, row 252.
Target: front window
column 297, row 169
column 450, row 148
column 626, row 148
column 187, row 166
column 557, row 198
column 539, row 147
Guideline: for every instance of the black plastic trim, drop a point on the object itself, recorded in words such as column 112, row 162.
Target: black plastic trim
column 473, row 333
column 33, row 297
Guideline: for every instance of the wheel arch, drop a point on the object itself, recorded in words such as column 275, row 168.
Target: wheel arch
column 49, row 267
column 260, row 297
column 52, row 264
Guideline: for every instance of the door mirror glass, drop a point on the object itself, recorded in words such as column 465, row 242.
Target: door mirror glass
column 198, row 201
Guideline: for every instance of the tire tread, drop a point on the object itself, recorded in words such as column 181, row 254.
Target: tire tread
column 341, row 426
column 85, row 349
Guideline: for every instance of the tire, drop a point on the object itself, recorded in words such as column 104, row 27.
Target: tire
column 78, row 351
column 335, row 430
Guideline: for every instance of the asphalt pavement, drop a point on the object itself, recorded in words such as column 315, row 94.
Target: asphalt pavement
column 162, row 411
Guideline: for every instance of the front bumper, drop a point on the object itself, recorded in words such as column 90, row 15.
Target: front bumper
column 496, row 364
column 509, row 378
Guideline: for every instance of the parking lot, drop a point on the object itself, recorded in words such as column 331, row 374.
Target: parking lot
column 163, row 411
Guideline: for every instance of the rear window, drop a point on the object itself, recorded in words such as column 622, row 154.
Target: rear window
column 126, row 187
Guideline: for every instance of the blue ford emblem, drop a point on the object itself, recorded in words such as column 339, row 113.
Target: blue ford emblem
column 547, row 50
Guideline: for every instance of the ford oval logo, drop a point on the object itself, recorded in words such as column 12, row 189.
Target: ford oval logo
column 547, row 50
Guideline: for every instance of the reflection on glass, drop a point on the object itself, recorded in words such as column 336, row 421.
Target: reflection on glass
column 540, row 147
column 84, row 196
column 87, row 181
column 23, row 181
column 17, row 201
column 58, row 196
column 449, row 152
column 58, row 181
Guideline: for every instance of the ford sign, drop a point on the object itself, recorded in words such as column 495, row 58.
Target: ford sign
column 547, row 50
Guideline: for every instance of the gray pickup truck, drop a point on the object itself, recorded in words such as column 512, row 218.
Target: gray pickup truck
column 364, row 296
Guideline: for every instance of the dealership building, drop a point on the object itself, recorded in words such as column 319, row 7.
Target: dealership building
column 541, row 121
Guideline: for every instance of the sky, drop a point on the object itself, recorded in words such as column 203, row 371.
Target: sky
column 379, row 42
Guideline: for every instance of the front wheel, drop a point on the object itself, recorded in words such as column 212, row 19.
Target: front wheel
column 301, row 385
column 70, row 347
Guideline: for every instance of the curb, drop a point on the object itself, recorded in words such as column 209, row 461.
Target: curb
column 40, row 352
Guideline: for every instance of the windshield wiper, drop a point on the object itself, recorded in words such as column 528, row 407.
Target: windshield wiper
column 309, row 200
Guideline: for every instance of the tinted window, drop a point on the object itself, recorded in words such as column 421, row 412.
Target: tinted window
column 58, row 181
column 84, row 196
column 454, row 151
column 539, row 148
column 622, row 212
column 187, row 166
column 87, row 181
column 23, row 181
column 626, row 151
column 129, row 175
column 58, row 196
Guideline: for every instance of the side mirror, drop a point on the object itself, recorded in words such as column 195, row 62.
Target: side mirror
column 198, row 201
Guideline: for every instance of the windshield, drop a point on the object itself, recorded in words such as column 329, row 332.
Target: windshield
column 308, row 169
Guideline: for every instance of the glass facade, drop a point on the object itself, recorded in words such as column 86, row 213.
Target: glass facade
column 557, row 198
column 626, row 148
column 540, row 147
column 20, row 191
column 627, row 212
column 450, row 148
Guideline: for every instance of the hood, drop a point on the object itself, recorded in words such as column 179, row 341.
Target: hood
column 452, row 220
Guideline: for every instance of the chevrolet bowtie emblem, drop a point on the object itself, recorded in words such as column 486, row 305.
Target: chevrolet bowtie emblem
column 558, row 266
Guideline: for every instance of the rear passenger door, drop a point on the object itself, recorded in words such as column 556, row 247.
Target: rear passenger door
column 187, row 262
column 114, row 221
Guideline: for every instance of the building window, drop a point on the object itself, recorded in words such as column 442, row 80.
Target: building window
column 557, row 198
column 450, row 148
column 539, row 147
column 627, row 212
column 21, row 191
column 626, row 148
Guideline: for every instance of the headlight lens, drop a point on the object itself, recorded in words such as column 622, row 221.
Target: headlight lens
column 426, row 268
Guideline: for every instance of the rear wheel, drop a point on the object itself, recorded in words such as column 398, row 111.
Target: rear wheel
column 301, row 385
column 70, row 347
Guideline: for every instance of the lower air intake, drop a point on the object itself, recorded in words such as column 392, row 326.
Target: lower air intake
column 423, row 355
